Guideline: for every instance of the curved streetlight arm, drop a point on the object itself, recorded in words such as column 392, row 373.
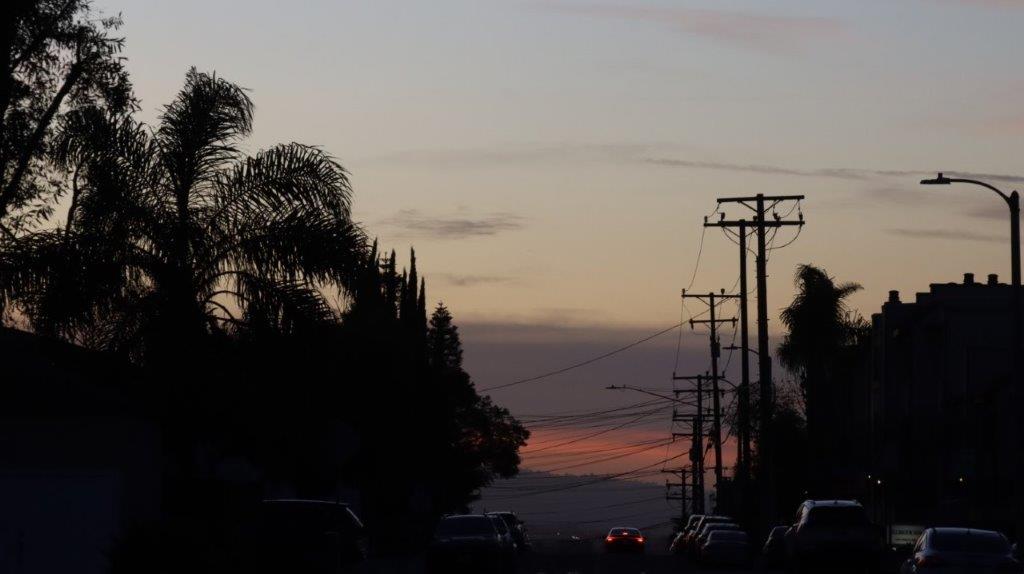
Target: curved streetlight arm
column 943, row 180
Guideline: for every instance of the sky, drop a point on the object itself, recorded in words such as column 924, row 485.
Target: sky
column 552, row 160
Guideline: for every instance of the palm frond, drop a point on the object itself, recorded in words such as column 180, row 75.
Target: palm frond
column 200, row 129
column 281, row 307
column 286, row 177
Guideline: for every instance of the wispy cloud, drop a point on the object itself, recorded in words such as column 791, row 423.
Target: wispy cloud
column 523, row 153
column 836, row 173
column 460, row 280
column 748, row 30
column 990, row 3
column 415, row 223
column 952, row 234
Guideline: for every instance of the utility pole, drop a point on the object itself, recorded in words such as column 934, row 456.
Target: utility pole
column 716, row 351
column 696, row 436
column 681, row 497
column 761, row 205
column 743, row 409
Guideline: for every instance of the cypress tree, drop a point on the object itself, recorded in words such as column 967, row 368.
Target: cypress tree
column 421, row 310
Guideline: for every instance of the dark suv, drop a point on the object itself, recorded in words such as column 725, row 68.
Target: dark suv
column 833, row 533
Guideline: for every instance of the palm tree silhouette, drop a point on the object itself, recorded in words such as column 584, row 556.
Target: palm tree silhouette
column 173, row 234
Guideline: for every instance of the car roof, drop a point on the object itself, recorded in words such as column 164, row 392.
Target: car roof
column 624, row 528
column 461, row 516
column 726, row 533
column 721, row 526
column 840, row 503
column 965, row 531
column 302, row 501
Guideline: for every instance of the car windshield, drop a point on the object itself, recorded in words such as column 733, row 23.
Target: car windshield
column 716, row 527
column 778, row 532
column 728, row 536
column 838, row 516
column 466, row 526
column 974, row 542
column 624, row 532
column 310, row 516
column 499, row 523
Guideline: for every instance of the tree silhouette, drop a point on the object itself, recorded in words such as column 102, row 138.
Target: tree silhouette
column 822, row 349
column 819, row 324
column 444, row 349
column 57, row 57
column 175, row 235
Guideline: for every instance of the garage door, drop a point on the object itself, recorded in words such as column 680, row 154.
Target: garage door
column 57, row 523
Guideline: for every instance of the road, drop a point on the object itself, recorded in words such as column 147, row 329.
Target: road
column 573, row 558
column 589, row 558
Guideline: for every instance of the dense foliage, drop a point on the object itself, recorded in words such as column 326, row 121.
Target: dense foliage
column 271, row 331
column 57, row 57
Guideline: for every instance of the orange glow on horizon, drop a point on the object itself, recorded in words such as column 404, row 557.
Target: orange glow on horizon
column 573, row 451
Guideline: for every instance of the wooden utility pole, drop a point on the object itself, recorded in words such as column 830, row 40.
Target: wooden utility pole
column 762, row 205
column 711, row 300
column 696, row 436
column 681, row 497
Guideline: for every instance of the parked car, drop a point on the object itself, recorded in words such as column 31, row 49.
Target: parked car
column 468, row 541
column 691, row 536
column 961, row 550
column 773, row 555
column 308, row 536
column 505, row 540
column 702, row 537
column 517, row 528
column 691, row 522
column 725, row 547
column 624, row 539
column 828, row 530
column 677, row 546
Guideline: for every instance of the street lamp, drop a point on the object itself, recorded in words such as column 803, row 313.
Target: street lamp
column 1013, row 201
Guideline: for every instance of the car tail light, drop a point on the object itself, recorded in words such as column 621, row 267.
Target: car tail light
column 639, row 538
column 929, row 562
column 608, row 539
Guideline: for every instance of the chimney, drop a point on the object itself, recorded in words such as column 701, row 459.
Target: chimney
column 993, row 279
column 968, row 278
column 894, row 296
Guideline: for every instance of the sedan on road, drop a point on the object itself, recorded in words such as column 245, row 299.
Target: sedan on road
column 624, row 539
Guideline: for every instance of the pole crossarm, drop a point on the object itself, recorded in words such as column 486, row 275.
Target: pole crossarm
column 755, row 198
column 742, row 222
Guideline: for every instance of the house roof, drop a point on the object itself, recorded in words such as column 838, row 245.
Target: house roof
column 44, row 377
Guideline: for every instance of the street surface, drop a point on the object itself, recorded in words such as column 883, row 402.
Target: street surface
column 580, row 557
column 590, row 558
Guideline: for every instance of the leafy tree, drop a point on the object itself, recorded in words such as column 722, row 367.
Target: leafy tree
column 175, row 235
column 57, row 57
column 483, row 438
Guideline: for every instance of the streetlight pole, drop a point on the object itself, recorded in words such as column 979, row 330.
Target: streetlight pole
column 1013, row 202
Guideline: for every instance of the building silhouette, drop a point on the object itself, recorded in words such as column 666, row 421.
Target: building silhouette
column 941, row 414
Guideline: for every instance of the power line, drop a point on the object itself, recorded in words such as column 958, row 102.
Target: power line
column 581, row 363
column 608, row 430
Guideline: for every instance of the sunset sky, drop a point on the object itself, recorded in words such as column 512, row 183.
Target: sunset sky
column 551, row 161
